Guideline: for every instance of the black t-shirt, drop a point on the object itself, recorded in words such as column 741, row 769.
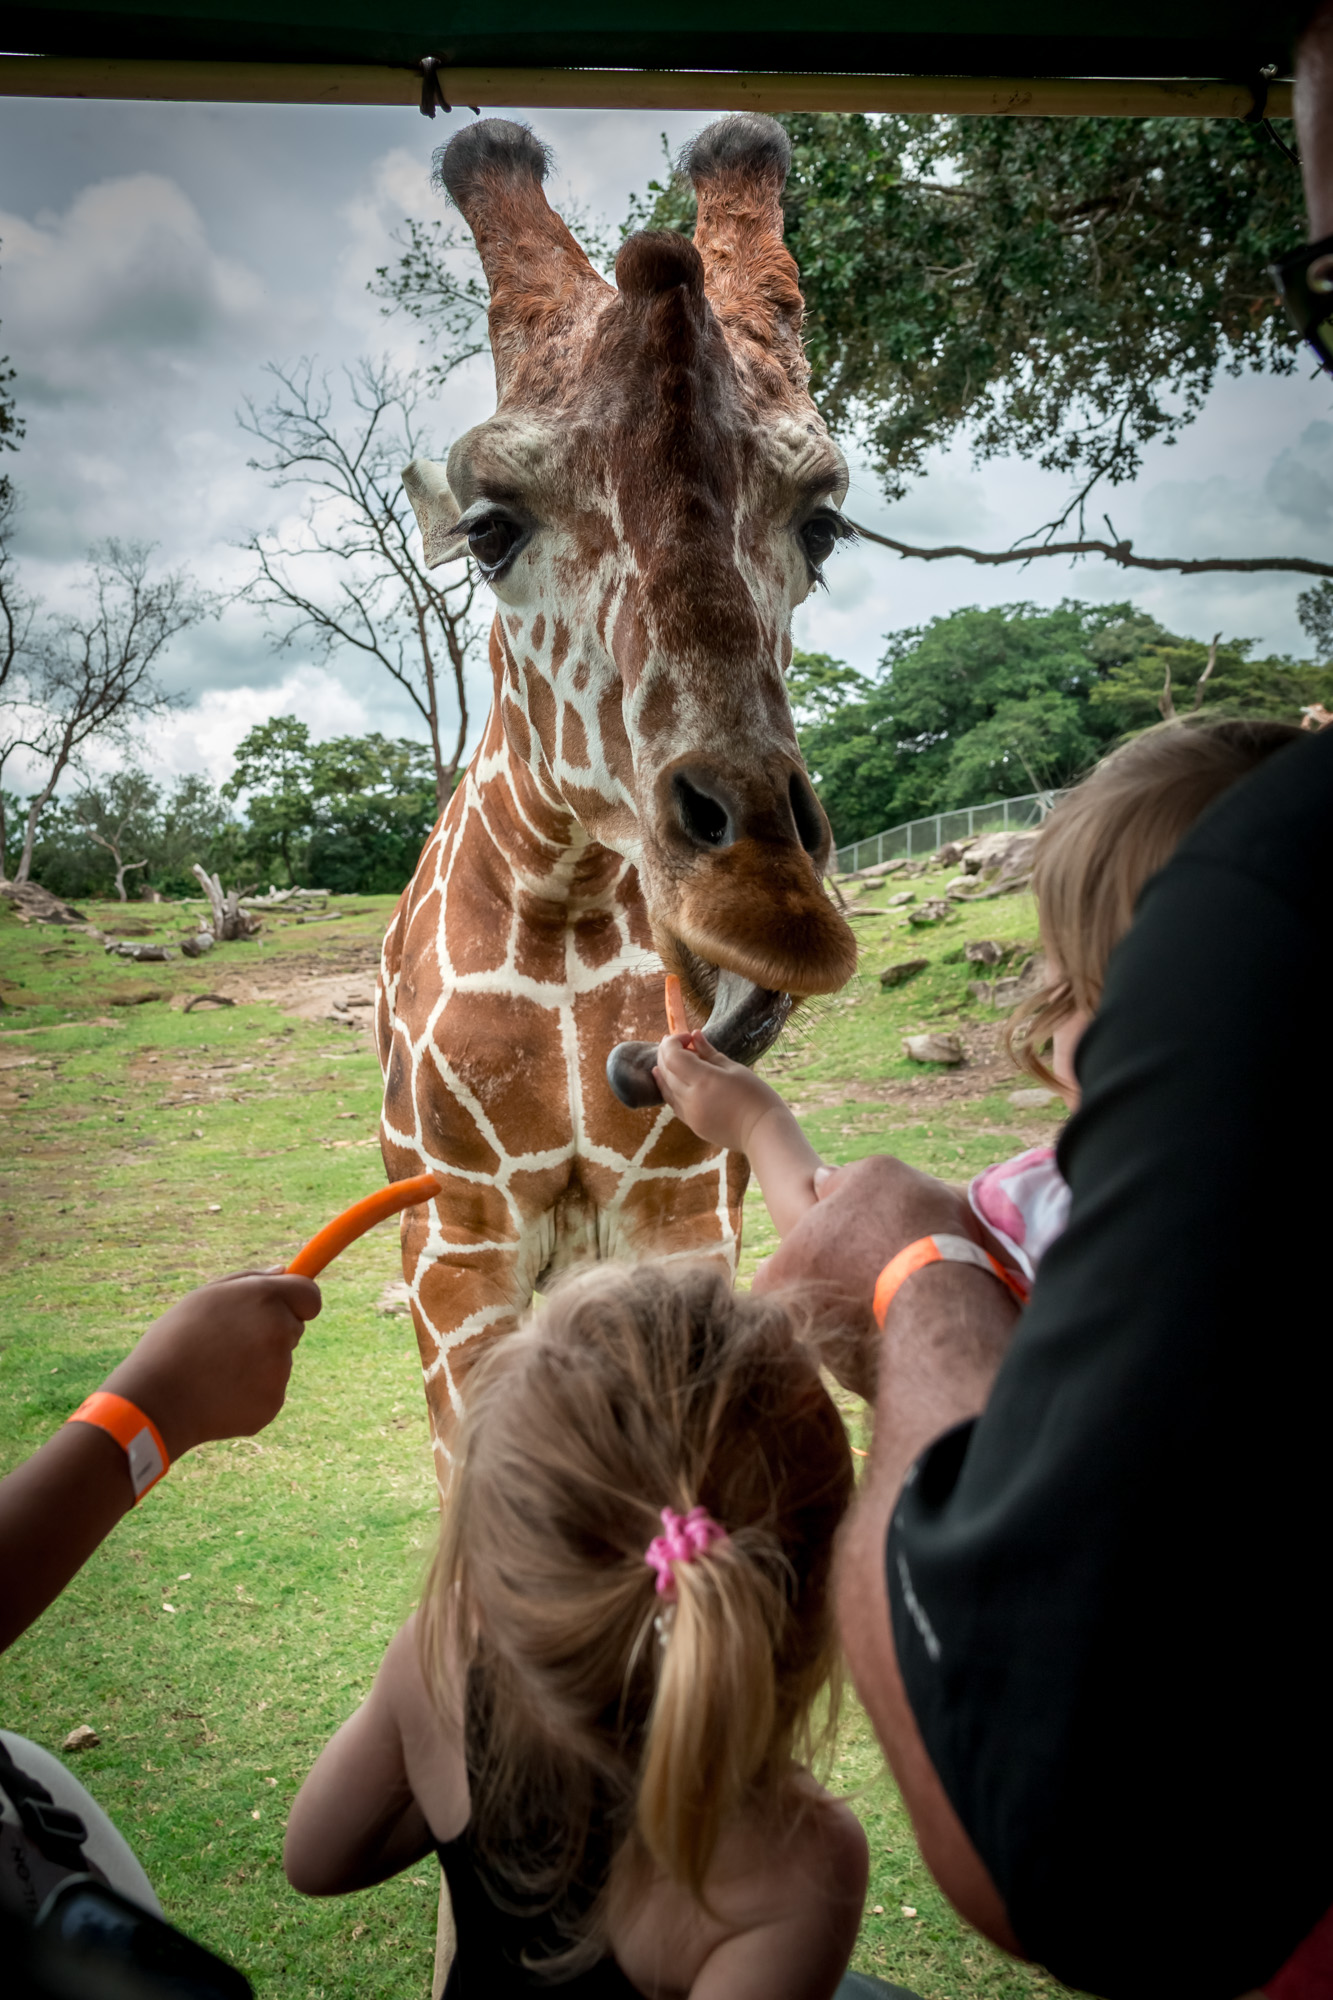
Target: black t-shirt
column 1112, row 1594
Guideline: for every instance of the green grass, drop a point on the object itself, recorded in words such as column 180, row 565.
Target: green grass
column 147, row 1149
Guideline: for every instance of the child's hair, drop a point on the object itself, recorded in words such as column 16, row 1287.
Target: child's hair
column 1101, row 843
column 600, row 1715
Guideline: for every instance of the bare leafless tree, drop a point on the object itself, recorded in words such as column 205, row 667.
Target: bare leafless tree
column 1118, row 550
column 1166, row 700
column 16, row 616
column 352, row 574
column 93, row 674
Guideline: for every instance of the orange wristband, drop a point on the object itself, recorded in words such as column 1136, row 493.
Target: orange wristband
column 938, row 1250
column 137, row 1435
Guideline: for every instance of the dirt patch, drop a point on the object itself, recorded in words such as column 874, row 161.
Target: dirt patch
column 340, row 990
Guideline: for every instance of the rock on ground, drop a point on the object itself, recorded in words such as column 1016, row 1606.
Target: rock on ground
column 1000, row 857
column 902, row 970
column 930, row 912
column 933, row 1048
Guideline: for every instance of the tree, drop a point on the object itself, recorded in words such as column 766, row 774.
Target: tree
column 187, row 824
column 352, row 812
column 1315, row 611
column 1068, row 288
column 120, row 809
column 193, row 824
column 92, row 674
column 1168, row 676
column 273, row 768
column 983, row 705
column 16, row 616
column 352, row 576
column 436, row 281
column 1033, row 744
column 375, row 805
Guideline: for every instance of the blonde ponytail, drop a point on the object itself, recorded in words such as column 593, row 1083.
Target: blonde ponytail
column 711, row 1730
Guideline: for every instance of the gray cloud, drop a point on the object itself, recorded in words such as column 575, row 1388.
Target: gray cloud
column 154, row 257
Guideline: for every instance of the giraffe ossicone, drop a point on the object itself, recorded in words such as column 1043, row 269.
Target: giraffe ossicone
column 652, row 498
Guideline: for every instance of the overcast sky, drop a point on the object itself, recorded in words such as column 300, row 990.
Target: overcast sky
column 153, row 258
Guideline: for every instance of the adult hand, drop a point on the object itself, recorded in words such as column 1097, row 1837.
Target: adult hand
column 217, row 1364
column 865, row 1214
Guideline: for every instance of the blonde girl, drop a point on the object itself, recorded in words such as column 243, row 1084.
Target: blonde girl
column 603, row 1714
column 1096, row 850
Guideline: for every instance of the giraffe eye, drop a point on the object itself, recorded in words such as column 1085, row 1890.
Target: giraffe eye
column 493, row 541
column 821, row 534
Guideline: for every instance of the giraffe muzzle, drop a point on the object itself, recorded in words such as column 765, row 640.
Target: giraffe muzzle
column 745, row 1021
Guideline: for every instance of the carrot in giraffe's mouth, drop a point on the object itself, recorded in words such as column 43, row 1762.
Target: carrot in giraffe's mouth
column 745, row 1020
column 677, row 1021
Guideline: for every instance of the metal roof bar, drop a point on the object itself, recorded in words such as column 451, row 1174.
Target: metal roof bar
column 186, row 82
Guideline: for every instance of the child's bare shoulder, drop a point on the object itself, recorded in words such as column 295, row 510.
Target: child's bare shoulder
column 806, row 1843
column 795, row 1868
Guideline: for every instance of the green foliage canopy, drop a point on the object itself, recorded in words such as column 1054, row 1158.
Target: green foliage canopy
column 990, row 704
column 1067, row 288
column 348, row 814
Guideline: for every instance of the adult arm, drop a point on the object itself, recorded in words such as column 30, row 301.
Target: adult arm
column 215, row 1366
column 931, row 1369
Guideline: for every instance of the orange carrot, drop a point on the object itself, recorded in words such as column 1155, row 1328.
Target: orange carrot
column 335, row 1236
column 675, row 1007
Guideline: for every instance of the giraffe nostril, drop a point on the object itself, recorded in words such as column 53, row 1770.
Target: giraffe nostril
column 705, row 820
column 811, row 827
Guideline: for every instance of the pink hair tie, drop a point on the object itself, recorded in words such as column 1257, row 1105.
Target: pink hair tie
column 684, row 1537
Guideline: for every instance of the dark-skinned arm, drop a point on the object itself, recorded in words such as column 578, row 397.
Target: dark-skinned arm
column 216, row 1365
column 945, row 1336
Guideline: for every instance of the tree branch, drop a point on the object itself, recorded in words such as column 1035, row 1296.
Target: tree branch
column 1116, row 552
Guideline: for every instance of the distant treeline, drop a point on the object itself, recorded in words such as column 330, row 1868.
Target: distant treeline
column 973, row 706
column 348, row 815
column 985, row 705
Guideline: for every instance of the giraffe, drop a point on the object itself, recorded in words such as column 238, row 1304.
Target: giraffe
column 653, row 496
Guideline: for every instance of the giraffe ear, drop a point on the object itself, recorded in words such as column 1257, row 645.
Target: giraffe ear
column 738, row 168
column 536, row 272
column 436, row 509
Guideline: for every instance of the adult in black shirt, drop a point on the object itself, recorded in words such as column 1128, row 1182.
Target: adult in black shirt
column 1107, row 1592
column 1083, row 1592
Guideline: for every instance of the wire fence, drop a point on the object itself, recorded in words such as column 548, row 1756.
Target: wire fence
column 922, row 836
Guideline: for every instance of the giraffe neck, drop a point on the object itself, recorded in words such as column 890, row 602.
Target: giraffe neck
column 541, row 848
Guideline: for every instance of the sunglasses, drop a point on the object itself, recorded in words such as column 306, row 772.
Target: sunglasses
column 1305, row 279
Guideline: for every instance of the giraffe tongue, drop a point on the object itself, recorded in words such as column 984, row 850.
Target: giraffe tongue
column 745, row 1021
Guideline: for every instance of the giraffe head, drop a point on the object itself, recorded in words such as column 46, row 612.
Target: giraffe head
column 653, row 497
